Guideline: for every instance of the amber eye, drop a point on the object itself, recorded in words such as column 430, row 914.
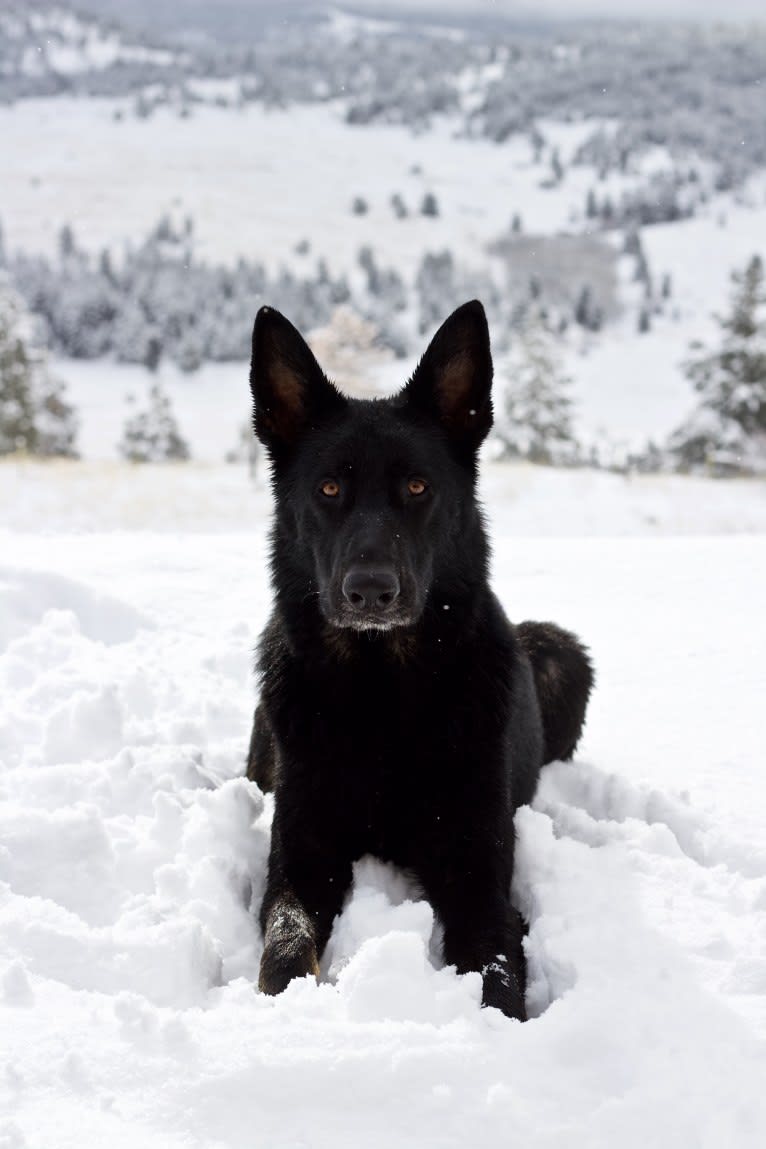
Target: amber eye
column 417, row 486
column 330, row 488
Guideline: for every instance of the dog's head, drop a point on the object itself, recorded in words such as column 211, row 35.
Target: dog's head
column 374, row 498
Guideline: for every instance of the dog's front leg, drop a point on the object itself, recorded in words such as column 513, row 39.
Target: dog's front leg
column 289, row 943
column 303, row 896
column 483, row 933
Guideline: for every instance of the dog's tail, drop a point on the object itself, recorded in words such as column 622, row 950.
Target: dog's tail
column 564, row 678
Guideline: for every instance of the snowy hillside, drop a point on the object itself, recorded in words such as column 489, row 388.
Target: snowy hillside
column 629, row 386
column 611, row 176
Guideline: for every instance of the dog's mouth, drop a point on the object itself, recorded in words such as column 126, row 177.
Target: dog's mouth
column 349, row 619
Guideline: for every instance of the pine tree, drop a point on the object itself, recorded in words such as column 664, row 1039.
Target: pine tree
column 34, row 415
column 398, row 206
column 536, row 415
column 587, row 313
column 728, row 429
column 153, row 436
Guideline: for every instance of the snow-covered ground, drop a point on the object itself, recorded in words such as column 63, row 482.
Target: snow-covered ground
column 132, row 850
column 524, row 500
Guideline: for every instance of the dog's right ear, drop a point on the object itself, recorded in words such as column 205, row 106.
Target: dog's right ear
column 290, row 390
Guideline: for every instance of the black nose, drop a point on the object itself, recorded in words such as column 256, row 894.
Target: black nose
column 370, row 590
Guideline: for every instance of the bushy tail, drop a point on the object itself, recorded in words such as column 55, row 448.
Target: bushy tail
column 564, row 678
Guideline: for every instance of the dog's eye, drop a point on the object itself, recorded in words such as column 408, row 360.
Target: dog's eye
column 330, row 488
column 417, row 487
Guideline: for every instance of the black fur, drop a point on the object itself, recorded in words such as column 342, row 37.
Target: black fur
column 400, row 714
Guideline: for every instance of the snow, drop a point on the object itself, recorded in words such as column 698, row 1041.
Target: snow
column 132, row 850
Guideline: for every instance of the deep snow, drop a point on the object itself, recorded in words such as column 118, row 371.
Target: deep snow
column 131, row 849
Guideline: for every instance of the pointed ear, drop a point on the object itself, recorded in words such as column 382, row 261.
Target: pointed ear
column 453, row 380
column 290, row 390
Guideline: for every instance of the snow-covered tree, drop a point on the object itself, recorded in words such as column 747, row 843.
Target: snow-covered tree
column 34, row 414
column 535, row 417
column 728, row 429
column 349, row 348
column 152, row 435
column 246, row 449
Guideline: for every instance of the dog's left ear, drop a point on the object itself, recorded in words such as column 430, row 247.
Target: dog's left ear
column 453, row 380
column 290, row 391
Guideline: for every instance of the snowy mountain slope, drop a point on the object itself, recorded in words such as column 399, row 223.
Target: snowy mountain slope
column 132, row 847
column 241, row 175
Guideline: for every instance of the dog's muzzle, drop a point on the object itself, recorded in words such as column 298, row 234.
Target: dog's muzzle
column 371, row 599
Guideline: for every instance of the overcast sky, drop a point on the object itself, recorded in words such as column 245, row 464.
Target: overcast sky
column 232, row 19
column 666, row 9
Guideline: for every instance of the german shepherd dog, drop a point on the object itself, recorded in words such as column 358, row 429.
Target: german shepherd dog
column 400, row 712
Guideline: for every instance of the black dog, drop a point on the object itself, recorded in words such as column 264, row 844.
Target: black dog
column 401, row 714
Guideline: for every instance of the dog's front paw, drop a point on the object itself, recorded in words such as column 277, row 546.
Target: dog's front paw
column 503, row 990
column 281, row 963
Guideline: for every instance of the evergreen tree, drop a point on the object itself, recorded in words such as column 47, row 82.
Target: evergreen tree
column 17, row 416
column 152, row 436
column 435, row 287
column 55, row 419
column 66, row 241
column 728, row 429
column 34, row 415
column 536, row 414
column 398, row 206
column 586, row 312
column 429, row 205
